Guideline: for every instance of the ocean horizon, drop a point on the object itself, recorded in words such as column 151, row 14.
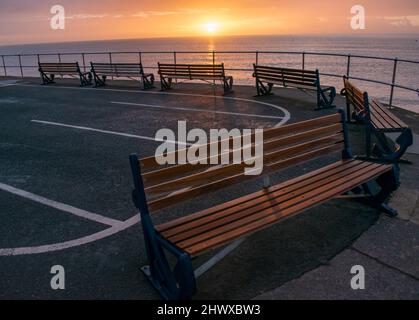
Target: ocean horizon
column 405, row 47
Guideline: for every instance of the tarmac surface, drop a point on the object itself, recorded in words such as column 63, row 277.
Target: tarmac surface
column 65, row 199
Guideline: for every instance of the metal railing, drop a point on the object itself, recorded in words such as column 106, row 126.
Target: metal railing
column 213, row 55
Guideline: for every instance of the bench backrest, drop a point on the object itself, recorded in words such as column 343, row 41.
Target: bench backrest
column 192, row 71
column 118, row 69
column 60, row 68
column 287, row 76
column 283, row 146
column 356, row 98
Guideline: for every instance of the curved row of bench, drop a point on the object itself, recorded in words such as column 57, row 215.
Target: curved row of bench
column 158, row 188
column 266, row 77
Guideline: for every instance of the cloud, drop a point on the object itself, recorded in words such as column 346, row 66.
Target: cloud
column 404, row 21
column 87, row 16
column 147, row 14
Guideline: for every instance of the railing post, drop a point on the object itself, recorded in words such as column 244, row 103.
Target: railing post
column 84, row 62
column 140, row 58
column 4, row 66
column 20, row 66
column 304, row 60
column 393, row 82
column 110, row 60
column 348, row 67
column 213, row 66
column 39, row 60
column 257, row 57
column 175, row 62
column 59, row 60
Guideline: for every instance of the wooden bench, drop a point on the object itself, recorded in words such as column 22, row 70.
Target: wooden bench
column 378, row 120
column 267, row 76
column 204, row 72
column 158, row 188
column 101, row 71
column 48, row 72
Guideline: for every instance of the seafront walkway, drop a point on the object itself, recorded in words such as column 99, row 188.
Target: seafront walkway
column 65, row 199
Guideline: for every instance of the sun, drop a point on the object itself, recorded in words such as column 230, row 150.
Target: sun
column 211, row 27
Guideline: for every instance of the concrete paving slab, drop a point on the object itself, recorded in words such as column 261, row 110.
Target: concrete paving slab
column 394, row 242
column 332, row 281
column 405, row 200
column 90, row 170
column 413, row 148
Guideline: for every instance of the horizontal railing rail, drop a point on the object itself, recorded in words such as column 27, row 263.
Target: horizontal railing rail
column 213, row 54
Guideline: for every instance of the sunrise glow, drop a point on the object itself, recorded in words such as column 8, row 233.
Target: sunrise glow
column 211, row 27
column 104, row 20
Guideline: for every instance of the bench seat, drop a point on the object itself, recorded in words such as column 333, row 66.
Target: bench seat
column 160, row 185
column 378, row 120
column 127, row 70
column 204, row 72
column 383, row 119
column 48, row 72
column 267, row 76
column 224, row 223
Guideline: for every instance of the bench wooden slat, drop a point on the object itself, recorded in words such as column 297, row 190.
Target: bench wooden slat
column 221, row 172
column 289, row 70
column 383, row 117
column 274, row 214
column 392, row 119
column 190, row 222
column 170, row 173
column 311, row 176
column 186, row 194
column 283, row 81
column 268, row 200
column 293, row 128
column 266, row 74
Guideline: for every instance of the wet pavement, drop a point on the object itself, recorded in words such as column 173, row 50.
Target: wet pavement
column 65, row 199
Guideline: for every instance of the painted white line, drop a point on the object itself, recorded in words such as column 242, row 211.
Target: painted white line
column 121, row 226
column 196, row 110
column 60, row 206
column 218, row 257
column 72, row 243
column 108, row 132
column 286, row 118
column 8, row 83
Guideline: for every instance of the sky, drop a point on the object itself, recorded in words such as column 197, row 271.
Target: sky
column 24, row 21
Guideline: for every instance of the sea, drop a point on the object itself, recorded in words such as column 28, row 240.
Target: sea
column 238, row 53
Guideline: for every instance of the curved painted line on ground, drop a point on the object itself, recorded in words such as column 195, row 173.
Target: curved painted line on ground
column 135, row 219
column 72, row 243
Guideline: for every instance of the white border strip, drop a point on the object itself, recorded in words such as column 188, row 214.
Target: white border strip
column 286, row 118
column 109, row 132
column 72, row 243
column 60, row 206
column 135, row 219
column 196, row 110
column 218, row 257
